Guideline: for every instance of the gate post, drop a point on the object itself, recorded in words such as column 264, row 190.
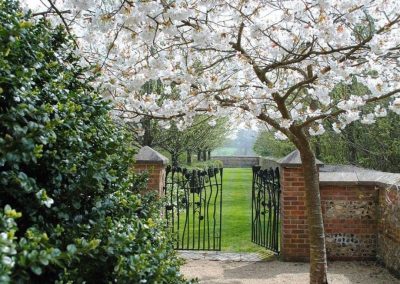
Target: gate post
column 294, row 232
column 152, row 162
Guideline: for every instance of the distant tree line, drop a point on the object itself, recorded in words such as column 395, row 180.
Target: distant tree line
column 199, row 139
column 376, row 146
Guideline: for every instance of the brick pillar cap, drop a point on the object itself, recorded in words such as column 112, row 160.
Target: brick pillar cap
column 294, row 160
column 147, row 155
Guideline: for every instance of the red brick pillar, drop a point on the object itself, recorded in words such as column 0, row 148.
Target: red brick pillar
column 294, row 228
column 154, row 164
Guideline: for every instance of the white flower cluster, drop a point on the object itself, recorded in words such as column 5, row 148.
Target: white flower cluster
column 221, row 54
column 41, row 195
column 395, row 106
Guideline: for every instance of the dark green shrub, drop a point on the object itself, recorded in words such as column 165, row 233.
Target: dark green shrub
column 71, row 209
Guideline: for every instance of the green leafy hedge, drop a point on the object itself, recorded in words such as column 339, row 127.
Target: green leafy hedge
column 70, row 211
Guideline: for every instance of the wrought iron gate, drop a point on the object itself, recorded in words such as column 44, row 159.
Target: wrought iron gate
column 266, row 208
column 194, row 207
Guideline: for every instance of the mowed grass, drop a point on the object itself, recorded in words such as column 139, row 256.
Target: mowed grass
column 236, row 211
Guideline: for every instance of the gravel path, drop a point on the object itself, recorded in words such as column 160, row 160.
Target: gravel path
column 252, row 272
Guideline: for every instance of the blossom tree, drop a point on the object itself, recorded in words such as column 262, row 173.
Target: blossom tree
column 276, row 61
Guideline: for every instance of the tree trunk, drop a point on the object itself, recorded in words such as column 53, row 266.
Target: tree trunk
column 209, row 154
column 147, row 139
column 174, row 158
column 198, row 155
column 318, row 147
column 204, row 155
column 351, row 144
column 189, row 157
column 318, row 259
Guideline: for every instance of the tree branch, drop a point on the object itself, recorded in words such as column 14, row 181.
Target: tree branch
column 338, row 112
column 237, row 46
column 49, row 12
column 58, row 12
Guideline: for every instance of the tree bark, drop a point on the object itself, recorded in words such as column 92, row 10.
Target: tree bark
column 174, row 158
column 204, row 155
column 318, row 258
column 318, row 147
column 198, row 155
column 209, row 154
column 189, row 157
column 352, row 149
column 147, row 139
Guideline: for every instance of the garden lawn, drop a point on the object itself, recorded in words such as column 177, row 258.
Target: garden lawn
column 236, row 211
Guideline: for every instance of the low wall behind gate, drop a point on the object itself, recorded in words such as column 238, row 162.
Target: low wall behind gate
column 389, row 229
column 238, row 161
column 247, row 161
column 361, row 213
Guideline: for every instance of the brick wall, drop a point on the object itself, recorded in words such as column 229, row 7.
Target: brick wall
column 350, row 219
column 152, row 162
column 156, row 176
column 389, row 229
column 294, row 232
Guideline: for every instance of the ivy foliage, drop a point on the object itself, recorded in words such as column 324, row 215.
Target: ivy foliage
column 69, row 208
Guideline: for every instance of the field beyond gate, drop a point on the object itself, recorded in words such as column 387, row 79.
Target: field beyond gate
column 236, row 225
column 236, row 222
column 266, row 208
column 194, row 207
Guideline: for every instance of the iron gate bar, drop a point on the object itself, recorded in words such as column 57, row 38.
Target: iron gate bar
column 190, row 195
column 266, row 200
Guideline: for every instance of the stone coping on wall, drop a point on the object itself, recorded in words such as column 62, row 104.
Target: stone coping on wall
column 351, row 175
column 294, row 160
column 147, row 155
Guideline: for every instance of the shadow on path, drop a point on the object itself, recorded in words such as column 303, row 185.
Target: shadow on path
column 283, row 272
